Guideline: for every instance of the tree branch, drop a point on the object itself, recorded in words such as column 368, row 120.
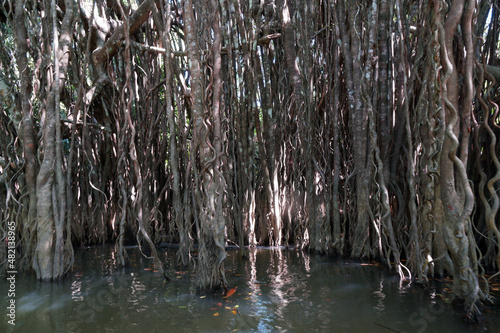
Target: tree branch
column 109, row 49
column 494, row 71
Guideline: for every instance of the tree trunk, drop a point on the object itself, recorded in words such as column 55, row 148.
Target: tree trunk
column 210, row 267
column 49, row 261
column 359, row 120
column 174, row 159
column 27, row 131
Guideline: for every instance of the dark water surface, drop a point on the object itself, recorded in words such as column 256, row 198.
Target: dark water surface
column 277, row 291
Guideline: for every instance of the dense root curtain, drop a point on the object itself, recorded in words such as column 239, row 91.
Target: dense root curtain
column 456, row 193
column 336, row 126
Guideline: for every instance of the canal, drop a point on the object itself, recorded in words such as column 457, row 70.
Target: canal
column 275, row 290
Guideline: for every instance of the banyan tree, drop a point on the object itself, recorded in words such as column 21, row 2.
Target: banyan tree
column 365, row 129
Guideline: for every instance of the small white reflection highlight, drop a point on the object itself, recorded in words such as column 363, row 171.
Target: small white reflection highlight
column 380, row 296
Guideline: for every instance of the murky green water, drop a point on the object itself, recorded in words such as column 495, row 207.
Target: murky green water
column 277, row 291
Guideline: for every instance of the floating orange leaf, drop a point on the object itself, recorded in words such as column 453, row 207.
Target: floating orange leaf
column 231, row 292
column 220, row 304
column 216, row 314
column 234, row 311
